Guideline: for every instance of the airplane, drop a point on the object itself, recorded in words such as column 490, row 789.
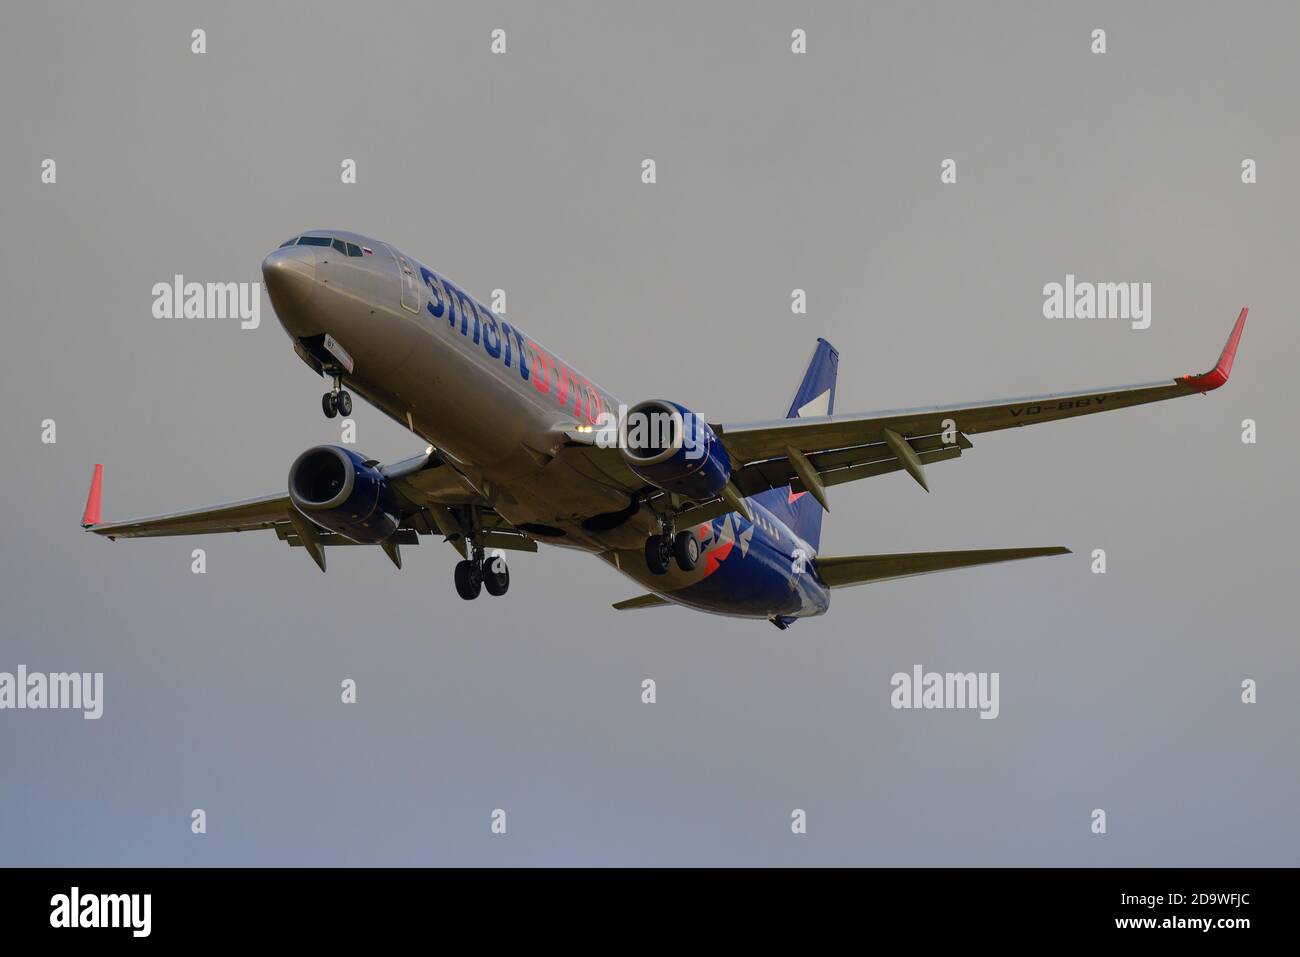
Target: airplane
column 521, row 448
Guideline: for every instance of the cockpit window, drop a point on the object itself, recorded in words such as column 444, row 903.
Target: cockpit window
column 346, row 248
column 289, row 242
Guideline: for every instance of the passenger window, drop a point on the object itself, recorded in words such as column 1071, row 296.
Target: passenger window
column 338, row 244
column 354, row 249
column 314, row 241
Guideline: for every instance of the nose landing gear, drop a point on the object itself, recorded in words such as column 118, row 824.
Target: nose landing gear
column 336, row 401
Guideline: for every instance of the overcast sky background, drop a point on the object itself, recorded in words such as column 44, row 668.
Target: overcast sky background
column 775, row 171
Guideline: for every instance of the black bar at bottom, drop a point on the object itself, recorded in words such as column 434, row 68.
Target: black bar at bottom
column 534, row 906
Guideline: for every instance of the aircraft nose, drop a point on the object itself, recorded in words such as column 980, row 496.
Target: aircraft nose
column 290, row 275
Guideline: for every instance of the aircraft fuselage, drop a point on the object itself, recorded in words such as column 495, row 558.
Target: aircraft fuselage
column 497, row 405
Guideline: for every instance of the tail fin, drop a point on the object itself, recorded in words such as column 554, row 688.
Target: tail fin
column 815, row 396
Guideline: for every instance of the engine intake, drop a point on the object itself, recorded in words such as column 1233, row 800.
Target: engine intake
column 672, row 448
column 336, row 489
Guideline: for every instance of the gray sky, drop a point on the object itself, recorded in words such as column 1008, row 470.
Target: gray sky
column 775, row 171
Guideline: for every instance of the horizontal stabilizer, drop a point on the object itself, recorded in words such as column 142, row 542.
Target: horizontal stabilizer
column 640, row 601
column 839, row 571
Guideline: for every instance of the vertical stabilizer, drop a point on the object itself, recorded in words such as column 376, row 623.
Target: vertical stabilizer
column 814, row 397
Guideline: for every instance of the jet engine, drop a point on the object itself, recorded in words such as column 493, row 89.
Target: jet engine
column 673, row 449
column 338, row 490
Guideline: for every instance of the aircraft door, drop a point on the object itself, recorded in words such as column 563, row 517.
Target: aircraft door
column 410, row 282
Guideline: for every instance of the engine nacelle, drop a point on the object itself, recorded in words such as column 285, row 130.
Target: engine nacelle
column 336, row 489
column 675, row 450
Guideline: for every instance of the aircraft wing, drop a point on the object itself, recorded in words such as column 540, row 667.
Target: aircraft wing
column 264, row 512
column 829, row 450
column 842, row 448
column 432, row 497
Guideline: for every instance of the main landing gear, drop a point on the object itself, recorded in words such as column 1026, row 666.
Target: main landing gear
column 336, row 401
column 478, row 572
column 661, row 550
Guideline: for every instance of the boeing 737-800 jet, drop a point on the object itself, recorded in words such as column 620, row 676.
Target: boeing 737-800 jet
column 720, row 518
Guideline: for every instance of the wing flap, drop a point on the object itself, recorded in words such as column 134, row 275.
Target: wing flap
column 846, row 465
column 288, row 534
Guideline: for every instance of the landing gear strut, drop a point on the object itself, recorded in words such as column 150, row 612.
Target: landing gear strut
column 336, row 401
column 479, row 571
column 661, row 550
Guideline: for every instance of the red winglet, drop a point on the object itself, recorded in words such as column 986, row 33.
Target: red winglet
column 94, row 499
column 1219, row 374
